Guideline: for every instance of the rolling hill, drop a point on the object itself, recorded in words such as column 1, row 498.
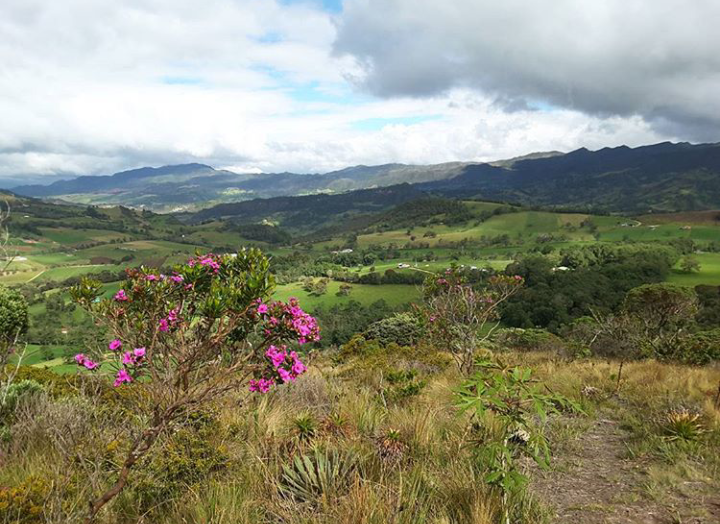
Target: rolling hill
column 663, row 177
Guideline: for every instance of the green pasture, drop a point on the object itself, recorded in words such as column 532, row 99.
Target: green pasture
column 525, row 225
column 709, row 273
column 66, row 236
column 394, row 295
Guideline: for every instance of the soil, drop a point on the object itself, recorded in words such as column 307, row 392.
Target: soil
column 594, row 483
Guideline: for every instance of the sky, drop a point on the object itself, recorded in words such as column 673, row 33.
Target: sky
column 99, row 86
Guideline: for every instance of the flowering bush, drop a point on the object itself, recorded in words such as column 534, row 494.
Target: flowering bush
column 456, row 312
column 191, row 336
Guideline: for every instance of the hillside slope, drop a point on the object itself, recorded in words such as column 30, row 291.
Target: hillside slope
column 661, row 177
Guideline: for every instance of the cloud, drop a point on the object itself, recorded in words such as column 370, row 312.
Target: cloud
column 654, row 58
column 94, row 87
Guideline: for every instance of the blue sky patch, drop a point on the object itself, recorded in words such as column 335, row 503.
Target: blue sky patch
column 331, row 6
column 375, row 124
column 182, row 80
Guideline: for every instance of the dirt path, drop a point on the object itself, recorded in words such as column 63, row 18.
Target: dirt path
column 593, row 483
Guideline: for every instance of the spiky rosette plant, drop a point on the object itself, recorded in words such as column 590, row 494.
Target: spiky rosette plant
column 190, row 336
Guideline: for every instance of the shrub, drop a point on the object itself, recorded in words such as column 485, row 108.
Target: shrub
column 190, row 337
column 403, row 329
column 13, row 324
column 527, row 339
column 19, row 391
column 456, row 311
column 13, row 316
column 23, row 504
column 699, row 348
column 183, row 461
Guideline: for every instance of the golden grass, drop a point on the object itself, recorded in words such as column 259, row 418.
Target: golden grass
column 435, row 481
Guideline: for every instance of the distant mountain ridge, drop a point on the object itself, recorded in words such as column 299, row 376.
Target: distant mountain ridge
column 660, row 177
column 192, row 186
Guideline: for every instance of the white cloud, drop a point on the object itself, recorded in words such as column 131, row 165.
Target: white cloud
column 96, row 86
column 653, row 58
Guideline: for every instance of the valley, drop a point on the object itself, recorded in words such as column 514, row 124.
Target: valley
column 572, row 297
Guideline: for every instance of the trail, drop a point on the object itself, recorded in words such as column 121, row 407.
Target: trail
column 594, row 483
column 33, row 278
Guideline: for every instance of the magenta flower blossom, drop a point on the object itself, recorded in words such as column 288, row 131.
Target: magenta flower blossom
column 285, row 375
column 298, row 367
column 132, row 358
column 82, row 360
column 151, row 278
column 178, row 279
column 261, row 385
column 120, row 296
column 210, row 262
column 262, row 309
column 123, row 377
column 276, row 356
column 115, row 345
column 173, row 316
column 164, row 325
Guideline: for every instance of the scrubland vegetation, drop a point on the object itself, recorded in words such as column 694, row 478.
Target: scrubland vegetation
column 521, row 366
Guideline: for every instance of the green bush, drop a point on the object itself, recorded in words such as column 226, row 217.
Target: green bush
column 55, row 385
column 527, row 339
column 13, row 315
column 185, row 460
column 20, row 390
column 700, row 348
column 403, row 329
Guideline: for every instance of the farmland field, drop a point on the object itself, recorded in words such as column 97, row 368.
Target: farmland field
column 394, row 295
column 709, row 272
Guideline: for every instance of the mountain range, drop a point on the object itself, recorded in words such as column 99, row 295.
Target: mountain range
column 656, row 178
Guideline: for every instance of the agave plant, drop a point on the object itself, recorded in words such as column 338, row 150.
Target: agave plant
column 319, row 473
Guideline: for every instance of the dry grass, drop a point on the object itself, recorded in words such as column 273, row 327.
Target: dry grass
column 432, row 479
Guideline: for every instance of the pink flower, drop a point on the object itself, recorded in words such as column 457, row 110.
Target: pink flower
column 120, row 296
column 128, row 358
column 173, row 316
column 178, row 279
column 298, row 367
column 211, row 263
column 82, row 360
column 139, row 352
column 262, row 309
column 285, row 375
column 276, row 356
column 261, row 385
column 164, row 326
column 122, row 377
column 151, row 278
column 115, row 345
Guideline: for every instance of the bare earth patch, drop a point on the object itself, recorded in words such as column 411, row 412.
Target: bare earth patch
column 594, row 483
